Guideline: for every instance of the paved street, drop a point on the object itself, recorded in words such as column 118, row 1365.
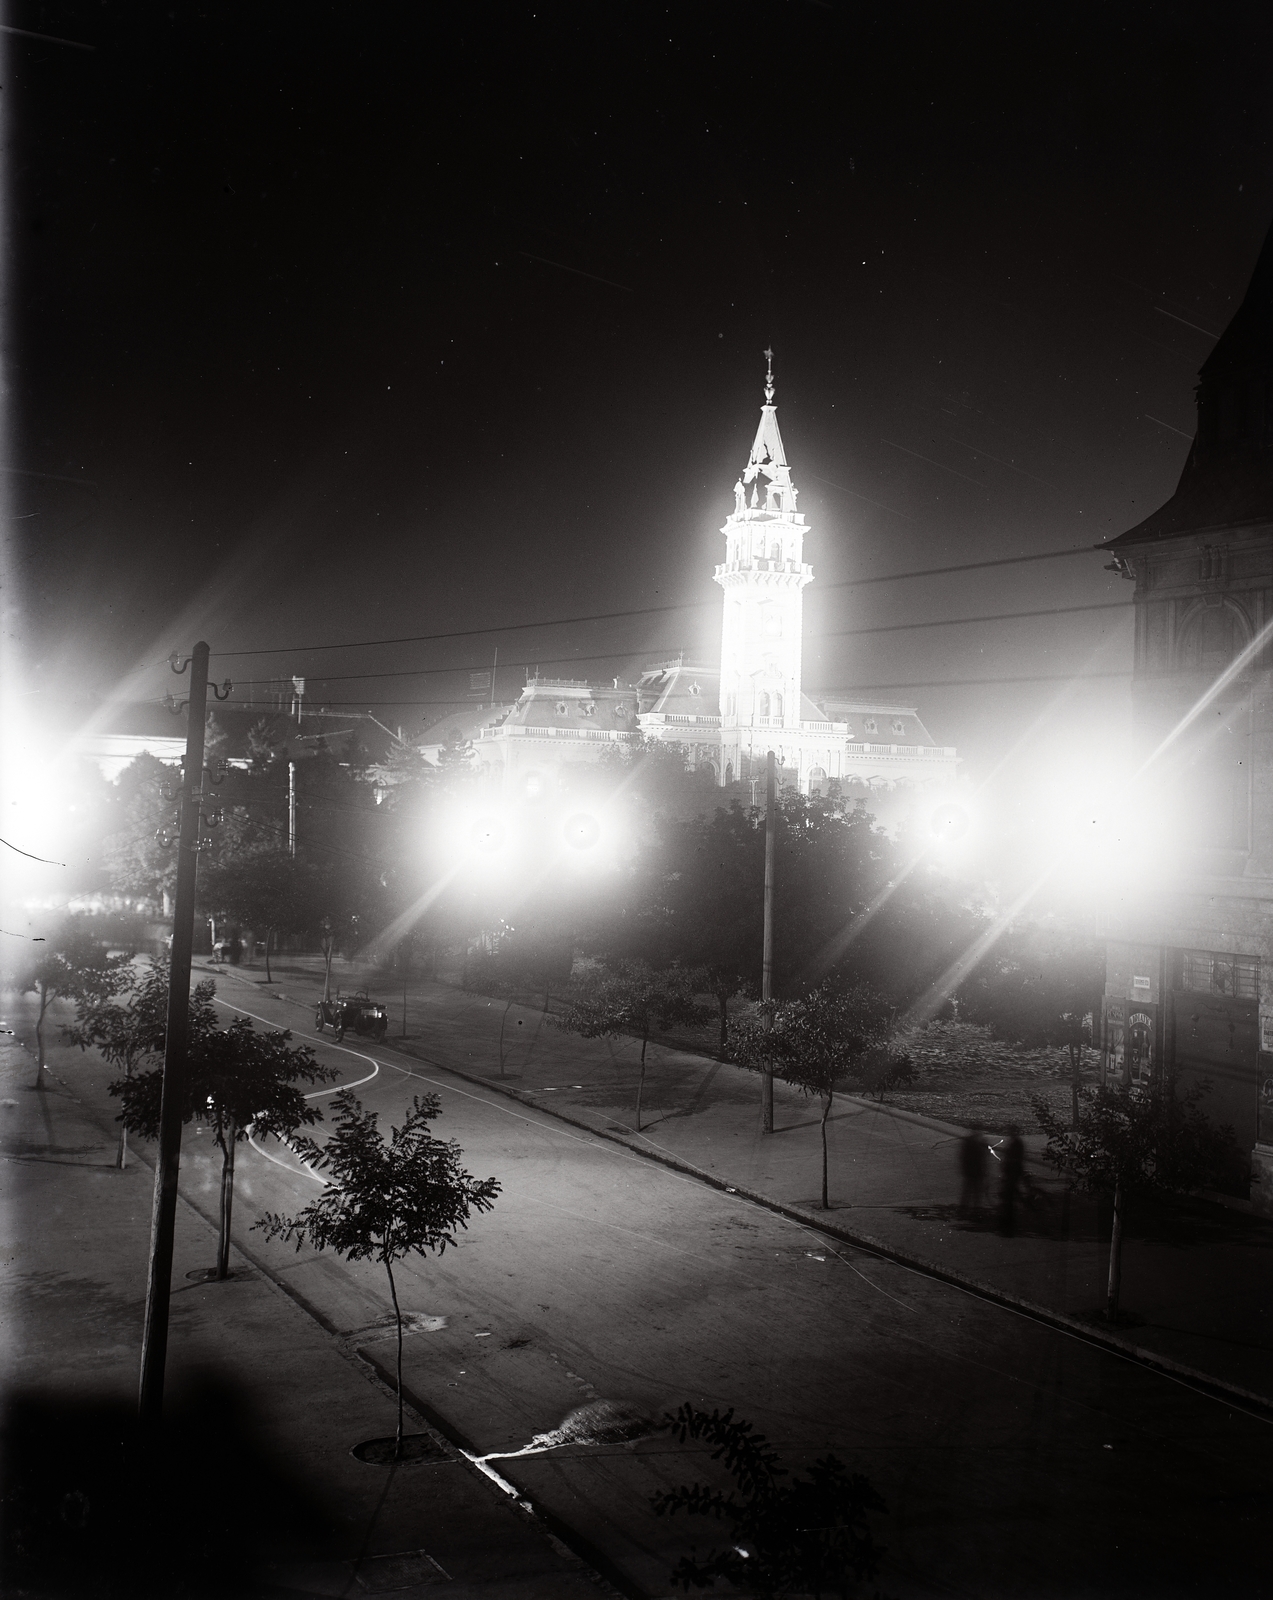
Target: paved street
column 1014, row 1459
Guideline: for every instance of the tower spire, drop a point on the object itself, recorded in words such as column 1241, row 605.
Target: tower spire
column 769, row 378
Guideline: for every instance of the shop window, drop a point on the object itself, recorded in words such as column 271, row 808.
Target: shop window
column 1206, row 972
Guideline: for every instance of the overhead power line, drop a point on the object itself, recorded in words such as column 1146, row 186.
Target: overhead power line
column 640, row 611
column 610, row 655
column 959, row 683
column 943, row 683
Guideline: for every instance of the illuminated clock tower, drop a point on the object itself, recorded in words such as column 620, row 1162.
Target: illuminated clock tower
column 763, row 576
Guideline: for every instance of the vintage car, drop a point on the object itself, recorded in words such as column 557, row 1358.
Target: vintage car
column 357, row 1013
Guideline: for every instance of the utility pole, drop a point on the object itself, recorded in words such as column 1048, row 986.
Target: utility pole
column 767, row 958
column 154, row 1347
column 291, row 808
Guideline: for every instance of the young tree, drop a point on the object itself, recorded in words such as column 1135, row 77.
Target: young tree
column 384, row 1201
column 805, row 1536
column 632, row 997
column 816, row 1044
column 1127, row 1140
column 131, row 1031
column 74, row 967
column 237, row 1080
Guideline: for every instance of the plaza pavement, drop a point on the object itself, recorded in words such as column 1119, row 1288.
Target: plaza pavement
column 254, row 1492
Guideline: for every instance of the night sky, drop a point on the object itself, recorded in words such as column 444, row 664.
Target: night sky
column 337, row 323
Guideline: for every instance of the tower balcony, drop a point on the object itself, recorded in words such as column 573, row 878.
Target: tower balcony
column 778, row 574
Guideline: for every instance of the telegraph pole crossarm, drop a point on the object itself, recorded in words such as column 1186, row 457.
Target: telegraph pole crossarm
column 154, row 1347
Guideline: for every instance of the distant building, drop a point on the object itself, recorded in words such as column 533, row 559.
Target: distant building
column 1189, row 976
column 728, row 715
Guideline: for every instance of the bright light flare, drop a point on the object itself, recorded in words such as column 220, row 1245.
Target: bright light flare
column 488, row 835
column 949, row 823
column 582, row 831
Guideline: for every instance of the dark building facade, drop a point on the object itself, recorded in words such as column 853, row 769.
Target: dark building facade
column 1189, row 975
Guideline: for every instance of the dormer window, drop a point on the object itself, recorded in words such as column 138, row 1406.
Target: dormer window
column 898, row 725
column 695, row 688
column 872, row 726
column 588, row 708
column 561, row 708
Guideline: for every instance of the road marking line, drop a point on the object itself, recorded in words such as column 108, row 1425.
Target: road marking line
column 318, row 1039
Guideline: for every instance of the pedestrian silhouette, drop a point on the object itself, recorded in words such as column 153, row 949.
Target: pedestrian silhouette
column 1011, row 1171
column 973, row 1157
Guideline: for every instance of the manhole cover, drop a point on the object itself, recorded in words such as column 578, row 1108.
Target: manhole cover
column 383, row 1452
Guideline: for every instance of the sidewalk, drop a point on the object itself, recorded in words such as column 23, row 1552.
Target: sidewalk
column 1199, row 1273
column 254, row 1491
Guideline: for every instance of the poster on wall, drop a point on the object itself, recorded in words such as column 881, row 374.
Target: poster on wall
column 1112, row 1042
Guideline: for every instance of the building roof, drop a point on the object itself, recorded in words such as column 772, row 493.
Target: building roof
column 575, row 703
column 462, row 725
column 894, row 724
column 1227, row 481
column 680, row 688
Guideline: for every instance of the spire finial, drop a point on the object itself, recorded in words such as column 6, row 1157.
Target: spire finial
column 769, row 377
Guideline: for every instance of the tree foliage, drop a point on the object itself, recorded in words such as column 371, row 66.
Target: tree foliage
column 819, row 1044
column 73, row 966
column 1129, row 1140
column 627, row 997
column 130, row 1027
column 384, row 1200
column 786, row 1535
column 236, row 1080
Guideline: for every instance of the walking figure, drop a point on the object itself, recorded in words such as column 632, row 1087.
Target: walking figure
column 973, row 1157
column 1011, row 1172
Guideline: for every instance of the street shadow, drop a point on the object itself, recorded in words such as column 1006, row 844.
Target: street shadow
column 1039, row 1216
column 96, row 1510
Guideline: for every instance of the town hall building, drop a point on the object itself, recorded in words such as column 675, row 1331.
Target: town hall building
column 729, row 714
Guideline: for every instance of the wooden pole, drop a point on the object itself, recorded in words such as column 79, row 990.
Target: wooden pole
column 154, row 1345
column 767, row 960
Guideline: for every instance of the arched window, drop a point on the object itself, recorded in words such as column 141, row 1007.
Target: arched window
column 777, row 705
column 1210, row 639
column 775, row 551
column 764, row 703
column 817, row 780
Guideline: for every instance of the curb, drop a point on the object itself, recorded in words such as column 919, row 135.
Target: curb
column 583, row 1549
column 1261, row 1406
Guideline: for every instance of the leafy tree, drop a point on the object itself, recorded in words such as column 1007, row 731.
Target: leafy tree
column 74, row 966
column 700, row 901
column 265, row 887
column 817, row 1043
column 1128, row 1140
column 808, row 1535
column 237, row 1080
column 384, row 1201
column 131, row 1031
column 137, row 863
column 632, row 997
column 1040, row 986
